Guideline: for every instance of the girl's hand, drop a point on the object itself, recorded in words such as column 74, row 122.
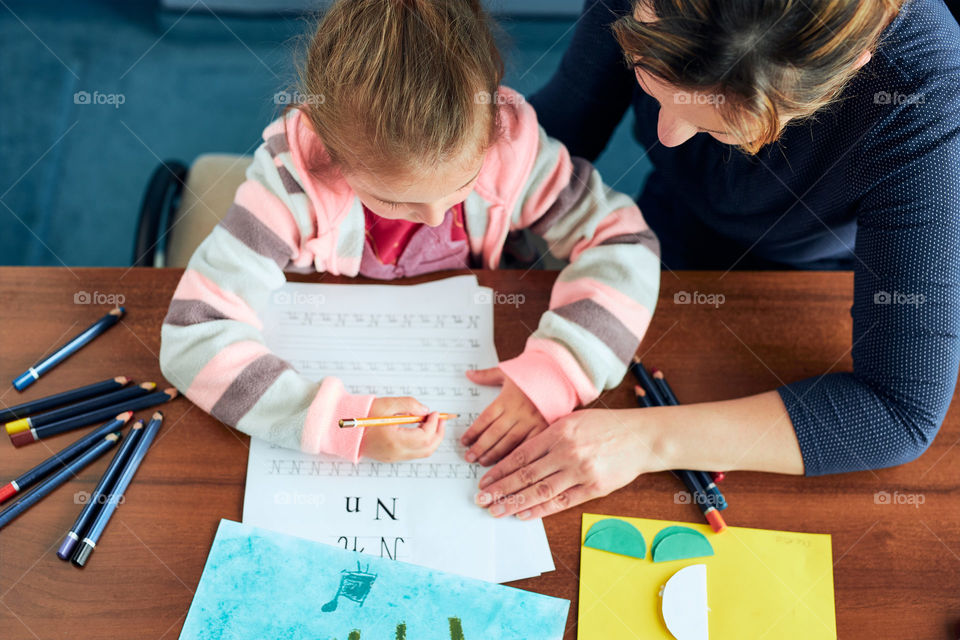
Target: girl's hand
column 582, row 456
column 508, row 421
column 396, row 442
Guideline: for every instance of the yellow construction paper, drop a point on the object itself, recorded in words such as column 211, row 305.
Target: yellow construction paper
column 760, row 584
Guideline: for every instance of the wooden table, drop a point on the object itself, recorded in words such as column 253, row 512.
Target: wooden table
column 896, row 566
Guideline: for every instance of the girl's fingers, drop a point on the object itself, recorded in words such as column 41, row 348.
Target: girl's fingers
column 528, row 452
column 488, row 377
column 505, row 445
column 493, row 411
column 489, row 438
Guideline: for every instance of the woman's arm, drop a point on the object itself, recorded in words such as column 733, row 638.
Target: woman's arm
column 905, row 349
column 591, row 453
column 584, row 101
column 906, row 307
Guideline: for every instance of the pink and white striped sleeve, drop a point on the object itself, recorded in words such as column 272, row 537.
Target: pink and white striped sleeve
column 212, row 348
column 603, row 300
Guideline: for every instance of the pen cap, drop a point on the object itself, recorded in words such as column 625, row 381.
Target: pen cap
column 23, row 381
column 83, row 553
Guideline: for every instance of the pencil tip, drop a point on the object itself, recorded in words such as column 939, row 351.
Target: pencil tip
column 126, row 415
column 636, row 359
column 121, row 379
column 657, row 373
column 637, row 389
column 171, row 392
column 148, row 385
column 117, row 311
column 157, row 415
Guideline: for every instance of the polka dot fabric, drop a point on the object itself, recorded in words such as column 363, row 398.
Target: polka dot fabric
column 871, row 183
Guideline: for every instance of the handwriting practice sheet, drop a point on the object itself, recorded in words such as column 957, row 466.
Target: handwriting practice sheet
column 390, row 340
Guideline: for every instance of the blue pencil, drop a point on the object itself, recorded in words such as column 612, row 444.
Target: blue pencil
column 33, row 374
column 90, row 539
column 57, row 479
column 102, row 490
column 59, row 459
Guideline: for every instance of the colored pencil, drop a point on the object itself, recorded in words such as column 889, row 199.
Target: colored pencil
column 688, row 478
column 143, row 402
column 719, row 501
column 99, row 523
column 60, row 459
column 69, row 411
column 642, row 398
column 44, row 488
column 349, row 423
column 710, row 512
column 33, row 374
column 644, row 378
column 101, row 491
column 65, row 397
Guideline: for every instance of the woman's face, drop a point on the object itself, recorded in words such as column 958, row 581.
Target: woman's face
column 683, row 114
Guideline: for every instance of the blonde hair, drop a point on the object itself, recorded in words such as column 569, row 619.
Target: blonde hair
column 393, row 85
column 768, row 58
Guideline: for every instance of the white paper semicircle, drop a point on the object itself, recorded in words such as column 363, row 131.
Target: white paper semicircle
column 684, row 604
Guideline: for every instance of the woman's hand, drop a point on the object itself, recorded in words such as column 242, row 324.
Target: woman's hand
column 505, row 423
column 582, row 456
column 395, row 442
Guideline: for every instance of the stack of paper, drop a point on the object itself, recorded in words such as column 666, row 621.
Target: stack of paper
column 260, row 584
column 392, row 341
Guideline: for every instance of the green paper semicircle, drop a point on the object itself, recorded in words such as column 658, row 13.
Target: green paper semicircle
column 616, row 536
column 682, row 546
column 669, row 531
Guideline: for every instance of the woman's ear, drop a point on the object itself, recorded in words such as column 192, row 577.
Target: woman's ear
column 863, row 59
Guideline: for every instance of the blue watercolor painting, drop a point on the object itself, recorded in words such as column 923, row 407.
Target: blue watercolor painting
column 259, row 584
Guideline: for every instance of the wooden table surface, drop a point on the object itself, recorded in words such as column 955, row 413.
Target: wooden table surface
column 896, row 566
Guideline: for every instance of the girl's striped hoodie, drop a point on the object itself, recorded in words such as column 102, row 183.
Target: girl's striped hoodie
column 286, row 218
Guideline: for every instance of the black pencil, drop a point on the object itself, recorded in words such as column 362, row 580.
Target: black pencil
column 697, row 492
column 100, row 493
column 60, row 459
column 106, row 400
column 150, row 400
column 640, row 373
column 705, row 479
column 62, row 398
column 57, row 479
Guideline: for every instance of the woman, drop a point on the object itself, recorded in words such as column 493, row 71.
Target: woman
column 815, row 134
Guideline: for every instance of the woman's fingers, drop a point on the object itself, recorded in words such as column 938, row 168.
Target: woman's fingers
column 537, row 493
column 528, row 452
column 573, row 496
column 524, row 467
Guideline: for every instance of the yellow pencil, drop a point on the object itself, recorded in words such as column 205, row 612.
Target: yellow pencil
column 349, row 423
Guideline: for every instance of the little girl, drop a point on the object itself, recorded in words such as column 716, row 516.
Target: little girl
column 406, row 156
